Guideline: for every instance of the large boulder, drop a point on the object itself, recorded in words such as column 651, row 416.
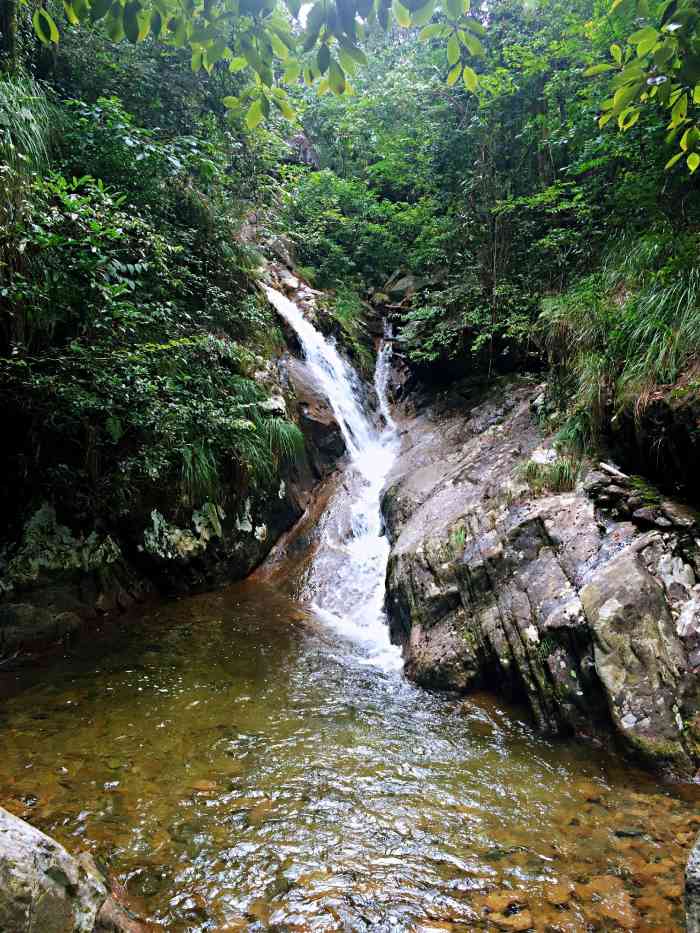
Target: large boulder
column 44, row 889
column 504, row 574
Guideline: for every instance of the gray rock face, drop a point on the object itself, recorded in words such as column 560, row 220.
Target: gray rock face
column 692, row 890
column 561, row 598
column 43, row 889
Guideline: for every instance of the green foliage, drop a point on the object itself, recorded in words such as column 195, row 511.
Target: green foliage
column 25, row 130
column 621, row 334
column 130, row 323
column 259, row 38
column 656, row 62
column 559, row 475
column 348, row 312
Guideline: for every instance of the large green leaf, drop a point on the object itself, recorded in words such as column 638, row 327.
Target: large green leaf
column 255, row 115
column 452, row 50
column 44, row 26
column 131, row 20
column 470, row 78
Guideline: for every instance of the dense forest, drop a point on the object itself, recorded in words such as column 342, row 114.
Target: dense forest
column 370, row 331
column 493, row 217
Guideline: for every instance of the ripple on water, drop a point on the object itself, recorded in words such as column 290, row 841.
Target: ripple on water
column 236, row 768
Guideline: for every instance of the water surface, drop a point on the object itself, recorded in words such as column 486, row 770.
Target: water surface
column 237, row 765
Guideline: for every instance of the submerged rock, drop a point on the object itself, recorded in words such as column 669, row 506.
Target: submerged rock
column 507, row 574
column 44, row 889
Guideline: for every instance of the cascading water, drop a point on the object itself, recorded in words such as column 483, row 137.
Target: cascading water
column 346, row 580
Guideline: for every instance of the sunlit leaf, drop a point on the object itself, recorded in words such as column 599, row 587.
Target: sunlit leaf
column 470, row 78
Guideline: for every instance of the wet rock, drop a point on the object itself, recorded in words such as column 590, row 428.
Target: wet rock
column 43, row 889
column 316, row 418
column 23, row 626
column 520, row 921
column 638, row 656
column 541, row 595
column 502, row 901
column 558, row 895
column 692, row 890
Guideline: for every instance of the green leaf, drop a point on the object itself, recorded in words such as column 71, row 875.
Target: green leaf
column 402, row 15
column 336, row 78
column 424, row 14
column 70, row 14
column 279, row 48
column 642, row 35
column 693, row 161
column 680, row 109
column 429, row 32
column 616, row 53
column 645, row 46
column 131, row 21
column 323, row 59
column 230, row 102
column 470, row 78
column 598, row 70
column 696, row 94
column 284, row 107
column 356, row 54
column 472, row 43
column 452, row 50
column 44, row 26
column 454, row 8
column 98, row 9
column 624, row 95
column 237, row 64
column 672, row 161
column 348, row 64
column 254, row 115
column 292, row 72
column 627, row 118
column 454, row 74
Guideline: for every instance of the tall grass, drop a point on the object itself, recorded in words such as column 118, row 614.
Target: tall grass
column 631, row 330
column 25, row 124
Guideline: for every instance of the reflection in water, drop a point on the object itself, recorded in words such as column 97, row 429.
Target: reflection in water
column 238, row 767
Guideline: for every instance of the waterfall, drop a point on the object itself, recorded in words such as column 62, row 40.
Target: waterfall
column 347, row 578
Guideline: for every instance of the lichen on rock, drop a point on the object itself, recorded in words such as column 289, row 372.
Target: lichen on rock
column 46, row 545
column 168, row 541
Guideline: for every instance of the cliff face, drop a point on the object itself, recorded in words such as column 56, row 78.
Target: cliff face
column 576, row 594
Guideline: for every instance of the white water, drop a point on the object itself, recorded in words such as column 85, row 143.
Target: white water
column 347, row 577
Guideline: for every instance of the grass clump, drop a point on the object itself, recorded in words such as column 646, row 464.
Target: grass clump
column 622, row 335
column 558, row 476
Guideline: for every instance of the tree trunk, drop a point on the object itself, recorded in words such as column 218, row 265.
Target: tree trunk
column 8, row 35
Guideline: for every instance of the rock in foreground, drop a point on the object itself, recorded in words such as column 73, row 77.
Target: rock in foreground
column 43, row 889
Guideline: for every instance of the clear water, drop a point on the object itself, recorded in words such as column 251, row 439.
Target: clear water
column 245, row 761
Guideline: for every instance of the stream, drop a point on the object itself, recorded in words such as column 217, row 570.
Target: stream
column 250, row 760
